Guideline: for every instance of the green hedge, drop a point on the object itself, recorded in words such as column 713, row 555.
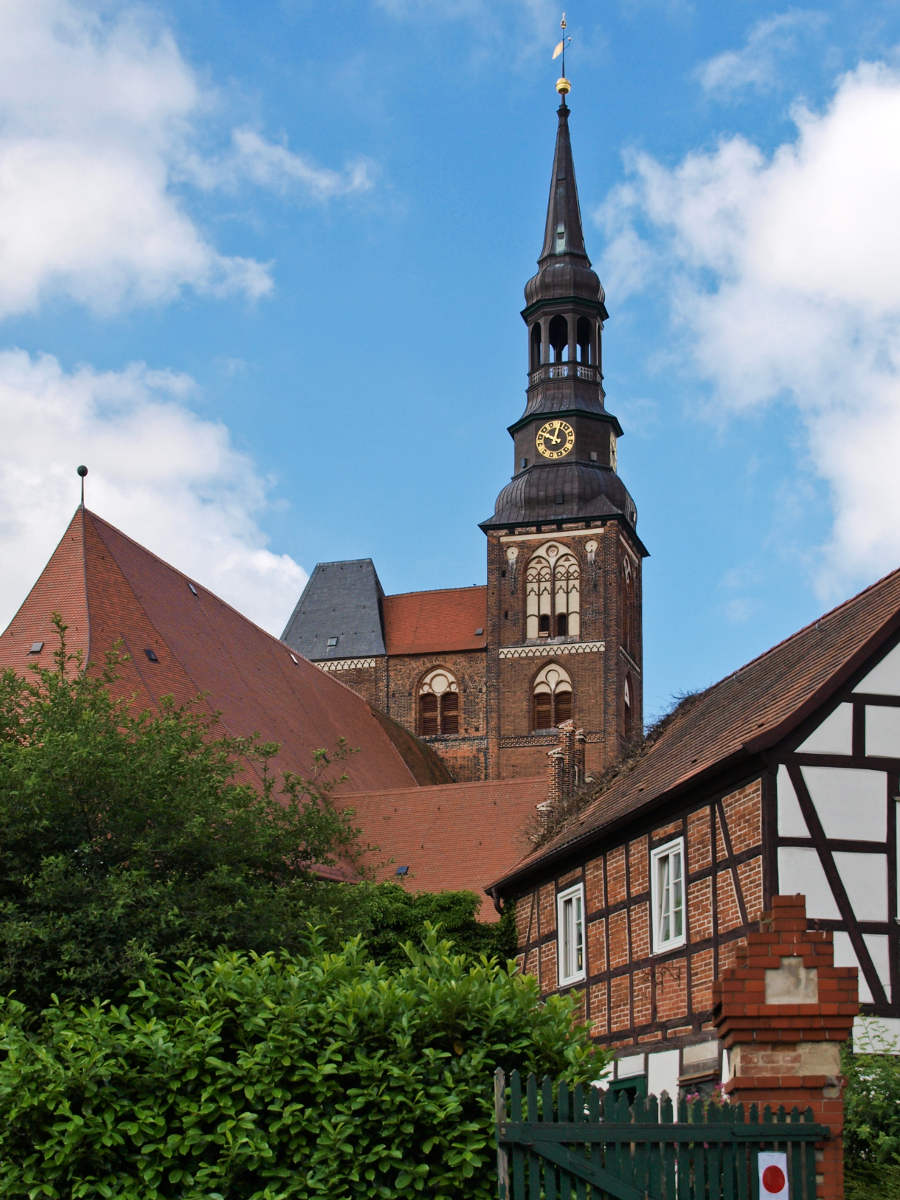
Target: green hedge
column 256, row 1078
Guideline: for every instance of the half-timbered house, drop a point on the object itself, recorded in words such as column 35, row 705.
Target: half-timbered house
column 782, row 778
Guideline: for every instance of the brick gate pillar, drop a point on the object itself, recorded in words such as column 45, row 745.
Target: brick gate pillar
column 783, row 1012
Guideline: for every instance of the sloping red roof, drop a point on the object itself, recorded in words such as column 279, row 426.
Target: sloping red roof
column 443, row 620
column 746, row 712
column 452, row 838
column 109, row 589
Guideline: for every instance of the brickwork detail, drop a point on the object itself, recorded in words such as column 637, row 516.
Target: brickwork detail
column 783, row 1011
column 346, row 664
column 551, row 649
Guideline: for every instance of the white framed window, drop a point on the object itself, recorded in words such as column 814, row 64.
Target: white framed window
column 667, row 895
column 570, row 934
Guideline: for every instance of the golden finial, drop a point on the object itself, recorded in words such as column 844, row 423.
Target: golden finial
column 562, row 84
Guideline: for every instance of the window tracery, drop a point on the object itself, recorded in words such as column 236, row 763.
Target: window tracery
column 552, row 593
column 551, row 697
column 438, row 704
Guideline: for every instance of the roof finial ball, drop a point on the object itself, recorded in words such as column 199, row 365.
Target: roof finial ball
column 562, row 84
column 82, row 471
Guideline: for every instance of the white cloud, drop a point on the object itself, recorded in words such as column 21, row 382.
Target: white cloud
column 169, row 478
column 102, row 123
column 756, row 64
column 783, row 272
column 274, row 166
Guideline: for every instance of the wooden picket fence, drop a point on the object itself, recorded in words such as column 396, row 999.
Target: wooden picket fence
column 561, row 1143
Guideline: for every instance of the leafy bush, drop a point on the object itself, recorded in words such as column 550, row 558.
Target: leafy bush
column 266, row 1078
column 872, row 1116
column 129, row 837
column 388, row 917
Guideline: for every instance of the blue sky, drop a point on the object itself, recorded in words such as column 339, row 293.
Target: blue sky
column 261, row 269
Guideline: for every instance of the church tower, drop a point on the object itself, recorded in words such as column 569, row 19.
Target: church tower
column 563, row 555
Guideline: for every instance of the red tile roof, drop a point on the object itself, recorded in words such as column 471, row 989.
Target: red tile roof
column 444, row 620
column 109, row 589
column 456, row 837
column 748, row 711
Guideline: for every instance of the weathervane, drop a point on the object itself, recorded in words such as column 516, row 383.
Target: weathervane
column 82, row 471
column 562, row 84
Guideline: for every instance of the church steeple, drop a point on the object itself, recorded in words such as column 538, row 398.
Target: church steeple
column 566, row 439
column 563, row 233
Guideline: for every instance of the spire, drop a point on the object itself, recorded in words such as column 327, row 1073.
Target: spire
column 563, row 233
column 564, row 268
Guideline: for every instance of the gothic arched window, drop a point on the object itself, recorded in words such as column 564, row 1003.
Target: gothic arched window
column 552, row 593
column 438, row 704
column 551, row 697
column 628, row 607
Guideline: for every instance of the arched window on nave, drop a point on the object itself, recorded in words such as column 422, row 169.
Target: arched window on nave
column 438, row 703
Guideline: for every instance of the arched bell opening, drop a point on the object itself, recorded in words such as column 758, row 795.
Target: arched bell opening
column 584, row 341
column 559, row 339
column 535, row 358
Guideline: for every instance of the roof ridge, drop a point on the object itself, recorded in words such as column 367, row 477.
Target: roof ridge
column 825, row 616
column 469, row 587
column 191, row 579
column 97, row 522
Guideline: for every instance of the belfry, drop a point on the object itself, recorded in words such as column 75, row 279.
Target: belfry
column 485, row 675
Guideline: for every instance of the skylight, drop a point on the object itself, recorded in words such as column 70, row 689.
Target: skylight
column 151, row 654
column 191, row 586
column 35, row 647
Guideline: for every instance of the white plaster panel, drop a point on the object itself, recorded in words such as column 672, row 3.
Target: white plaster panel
column 791, row 822
column 700, row 1052
column 834, row 735
column 851, row 802
column 882, row 731
column 631, row 1064
column 799, row 870
column 845, row 956
column 868, row 1031
column 877, row 945
column 884, row 678
column 865, row 881
column 662, row 1073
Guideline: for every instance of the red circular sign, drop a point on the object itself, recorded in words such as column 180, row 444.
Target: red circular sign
column 773, row 1180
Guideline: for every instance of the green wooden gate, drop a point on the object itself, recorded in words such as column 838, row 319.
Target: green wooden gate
column 561, row 1143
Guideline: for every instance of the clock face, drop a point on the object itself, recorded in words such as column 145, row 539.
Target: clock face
column 555, row 439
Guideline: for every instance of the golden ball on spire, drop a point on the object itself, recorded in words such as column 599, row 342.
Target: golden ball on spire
column 563, row 86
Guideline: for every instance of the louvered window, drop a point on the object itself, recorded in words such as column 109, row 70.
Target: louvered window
column 551, row 698
column 428, row 714
column 438, row 704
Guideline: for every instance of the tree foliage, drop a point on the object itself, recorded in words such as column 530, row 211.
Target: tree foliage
column 256, row 1078
column 129, row 837
column 872, row 1115
column 126, row 836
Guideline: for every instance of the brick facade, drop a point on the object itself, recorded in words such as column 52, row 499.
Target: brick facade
column 636, row 998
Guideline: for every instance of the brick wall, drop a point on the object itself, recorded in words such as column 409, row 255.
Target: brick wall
column 635, row 997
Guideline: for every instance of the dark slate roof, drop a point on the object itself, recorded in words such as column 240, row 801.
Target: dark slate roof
column 556, row 491
column 564, row 267
column 735, row 719
column 341, row 600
